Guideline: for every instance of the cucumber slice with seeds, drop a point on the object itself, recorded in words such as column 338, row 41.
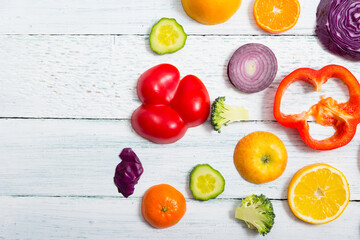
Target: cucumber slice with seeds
column 167, row 36
column 206, row 182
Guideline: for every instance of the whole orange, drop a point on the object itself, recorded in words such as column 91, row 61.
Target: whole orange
column 211, row 12
column 163, row 206
column 260, row 157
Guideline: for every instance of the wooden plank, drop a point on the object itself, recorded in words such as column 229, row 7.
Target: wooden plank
column 78, row 158
column 95, row 76
column 127, row 17
column 115, row 218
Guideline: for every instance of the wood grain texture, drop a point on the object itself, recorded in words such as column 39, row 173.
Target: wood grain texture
column 78, row 158
column 115, row 218
column 56, row 174
column 95, row 76
column 127, row 17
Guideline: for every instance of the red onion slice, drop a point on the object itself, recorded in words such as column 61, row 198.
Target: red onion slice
column 252, row 68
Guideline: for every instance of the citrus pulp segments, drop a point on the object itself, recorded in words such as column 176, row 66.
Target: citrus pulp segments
column 335, row 200
column 276, row 16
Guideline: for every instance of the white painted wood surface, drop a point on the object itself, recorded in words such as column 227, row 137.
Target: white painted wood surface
column 78, row 158
column 95, row 76
column 127, row 17
column 118, row 218
column 74, row 91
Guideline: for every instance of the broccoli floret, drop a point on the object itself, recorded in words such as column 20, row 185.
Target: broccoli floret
column 257, row 212
column 223, row 114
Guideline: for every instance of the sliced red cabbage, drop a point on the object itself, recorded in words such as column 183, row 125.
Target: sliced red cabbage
column 338, row 27
column 252, row 68
column 128, row 172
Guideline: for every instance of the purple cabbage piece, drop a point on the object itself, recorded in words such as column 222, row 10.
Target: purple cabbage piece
column 128, row 172
column 338, row 27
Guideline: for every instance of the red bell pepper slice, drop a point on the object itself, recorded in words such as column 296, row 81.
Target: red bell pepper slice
column 344, row 117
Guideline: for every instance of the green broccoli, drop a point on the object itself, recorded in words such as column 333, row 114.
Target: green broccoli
column 223, row 114
column 258, row 213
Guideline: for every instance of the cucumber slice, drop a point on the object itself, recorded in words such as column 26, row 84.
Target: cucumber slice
column 206, row 182
column 167, row 36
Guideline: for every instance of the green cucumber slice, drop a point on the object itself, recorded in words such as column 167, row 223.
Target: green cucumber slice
column 206, row 182
column 167, row 36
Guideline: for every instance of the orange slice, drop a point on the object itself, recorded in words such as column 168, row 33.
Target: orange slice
column 318, row 193
column 276, row 16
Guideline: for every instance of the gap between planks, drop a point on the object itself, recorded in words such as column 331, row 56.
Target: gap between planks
column 147, row 34
column 111, row 119
column 111, row 197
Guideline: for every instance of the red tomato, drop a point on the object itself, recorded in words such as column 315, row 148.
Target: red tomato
column 158, row 84
column 192, row 101
column 170, row 106
column 158, row 123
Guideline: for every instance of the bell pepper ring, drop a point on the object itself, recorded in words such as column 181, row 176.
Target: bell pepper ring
column 343, row 117
column 169, row 105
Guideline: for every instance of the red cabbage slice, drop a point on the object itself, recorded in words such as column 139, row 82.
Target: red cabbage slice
column 128, row 172
column 338, row 27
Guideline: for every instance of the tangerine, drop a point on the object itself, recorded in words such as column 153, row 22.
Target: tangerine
column 163, row 206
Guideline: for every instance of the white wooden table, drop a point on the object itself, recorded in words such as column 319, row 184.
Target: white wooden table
column 67, row 90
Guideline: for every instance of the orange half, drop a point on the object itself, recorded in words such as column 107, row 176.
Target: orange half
column 318, row 193
column 276, row 16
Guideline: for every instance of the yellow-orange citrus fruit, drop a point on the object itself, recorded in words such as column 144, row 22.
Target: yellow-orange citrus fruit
column 318, row 193
column 276, row 16
column 163, row 206
column 211, row 12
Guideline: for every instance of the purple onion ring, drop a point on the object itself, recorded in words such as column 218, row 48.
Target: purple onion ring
column 252, row 68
